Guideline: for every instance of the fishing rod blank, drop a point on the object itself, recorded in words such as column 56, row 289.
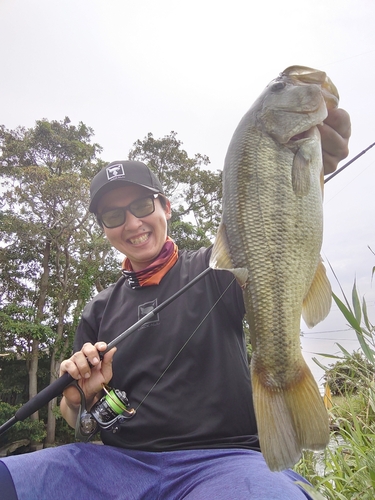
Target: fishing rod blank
column 349, row 163
column 57, row 387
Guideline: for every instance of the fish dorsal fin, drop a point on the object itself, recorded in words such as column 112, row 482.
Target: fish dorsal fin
column 301, row 173
column 221, row 259
column 317, row 302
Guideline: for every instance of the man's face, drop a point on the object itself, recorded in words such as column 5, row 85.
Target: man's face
column 141, row 240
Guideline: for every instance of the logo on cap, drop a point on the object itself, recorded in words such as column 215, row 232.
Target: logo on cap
column 115, row 171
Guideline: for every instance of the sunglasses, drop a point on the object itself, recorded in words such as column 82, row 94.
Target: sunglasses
column 117, row 216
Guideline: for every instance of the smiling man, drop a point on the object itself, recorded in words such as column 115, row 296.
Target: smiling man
column 121, row 212
column 193, row 435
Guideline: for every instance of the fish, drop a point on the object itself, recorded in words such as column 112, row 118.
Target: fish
column 270, row 238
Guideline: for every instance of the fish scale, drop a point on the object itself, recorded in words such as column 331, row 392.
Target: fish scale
column 270, row 237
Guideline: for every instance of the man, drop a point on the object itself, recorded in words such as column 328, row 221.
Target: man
column 193, row 434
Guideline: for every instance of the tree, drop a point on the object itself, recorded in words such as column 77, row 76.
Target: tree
column 195, row 192
column 53, row 250
column 53, row 255
column 347, row 376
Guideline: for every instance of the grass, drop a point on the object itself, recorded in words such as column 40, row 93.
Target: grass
column 346, row 469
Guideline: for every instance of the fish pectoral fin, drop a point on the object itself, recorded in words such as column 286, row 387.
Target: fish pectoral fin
column 317, row 303
column 301, row 173
column 241, row 274
column 220, row 257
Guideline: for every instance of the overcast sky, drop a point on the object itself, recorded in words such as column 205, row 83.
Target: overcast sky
column 126, row 68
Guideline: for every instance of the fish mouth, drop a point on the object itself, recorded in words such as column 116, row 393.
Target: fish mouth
column 306, row 134
column 305, row 75
column 303, row 135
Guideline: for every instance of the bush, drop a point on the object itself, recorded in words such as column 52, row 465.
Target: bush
column 28, row 429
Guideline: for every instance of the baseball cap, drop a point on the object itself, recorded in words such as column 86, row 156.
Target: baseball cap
column 118, row 173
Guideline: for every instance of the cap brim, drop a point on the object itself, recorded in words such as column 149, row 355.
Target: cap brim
column 93, row 207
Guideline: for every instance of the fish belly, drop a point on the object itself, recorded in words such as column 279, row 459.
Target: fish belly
column 273, row 237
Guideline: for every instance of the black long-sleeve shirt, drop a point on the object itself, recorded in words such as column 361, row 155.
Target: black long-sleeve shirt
column 204, row 399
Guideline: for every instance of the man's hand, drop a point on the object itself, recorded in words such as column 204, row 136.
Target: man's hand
column 335, row 133
column 91, row 373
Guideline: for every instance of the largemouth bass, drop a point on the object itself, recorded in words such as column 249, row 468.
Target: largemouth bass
column 270, row 237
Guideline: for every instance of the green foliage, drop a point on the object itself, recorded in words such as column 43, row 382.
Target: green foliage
column 53, row 255
column 59, row 146
column 14, row 378
column 249, row 347
column 28, row 429
column 64, row 433
column 195, row 191
column 14, row 393
column 346, row 470
column 52, row 251
column 347, row 377
column 18, row 326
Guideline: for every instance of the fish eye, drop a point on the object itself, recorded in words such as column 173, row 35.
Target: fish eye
column 277, row 86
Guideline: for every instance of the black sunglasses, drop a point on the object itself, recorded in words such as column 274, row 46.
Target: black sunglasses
column 117, row 216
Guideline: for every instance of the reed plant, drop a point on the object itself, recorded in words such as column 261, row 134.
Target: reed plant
column 346, row 469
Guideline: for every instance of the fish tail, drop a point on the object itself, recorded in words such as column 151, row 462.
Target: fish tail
column 289, row 419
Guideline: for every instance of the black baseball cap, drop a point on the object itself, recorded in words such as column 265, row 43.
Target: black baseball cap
column 116, row 174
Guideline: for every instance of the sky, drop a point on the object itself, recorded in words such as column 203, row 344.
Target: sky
column 128, row 68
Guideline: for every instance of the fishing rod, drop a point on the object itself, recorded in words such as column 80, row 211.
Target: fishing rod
column 349, row 163
column 57, row 387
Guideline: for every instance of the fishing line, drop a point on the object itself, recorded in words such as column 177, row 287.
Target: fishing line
column 338, row 61
column 333, row 340
column 348, row 184
column 185, row 344
column 326, row 331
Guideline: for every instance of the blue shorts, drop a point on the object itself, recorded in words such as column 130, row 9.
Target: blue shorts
column 82, row 471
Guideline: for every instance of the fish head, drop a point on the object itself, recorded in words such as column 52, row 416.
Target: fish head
column 305, row 75
column 295, row 102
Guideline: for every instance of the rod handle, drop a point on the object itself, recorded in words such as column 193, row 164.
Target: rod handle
column 44, row 396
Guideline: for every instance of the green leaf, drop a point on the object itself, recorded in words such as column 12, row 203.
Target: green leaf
column 368, row 352
column 353, row 322
column 315, row 495
column 356, row 304
column 325, row 368
column 338, row 282
column 365, row 316
column 343, row 350
column 325, row 355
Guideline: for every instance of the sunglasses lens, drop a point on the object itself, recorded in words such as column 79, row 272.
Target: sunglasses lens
column 113, row 218
column 142, row 208
column 139, row 208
